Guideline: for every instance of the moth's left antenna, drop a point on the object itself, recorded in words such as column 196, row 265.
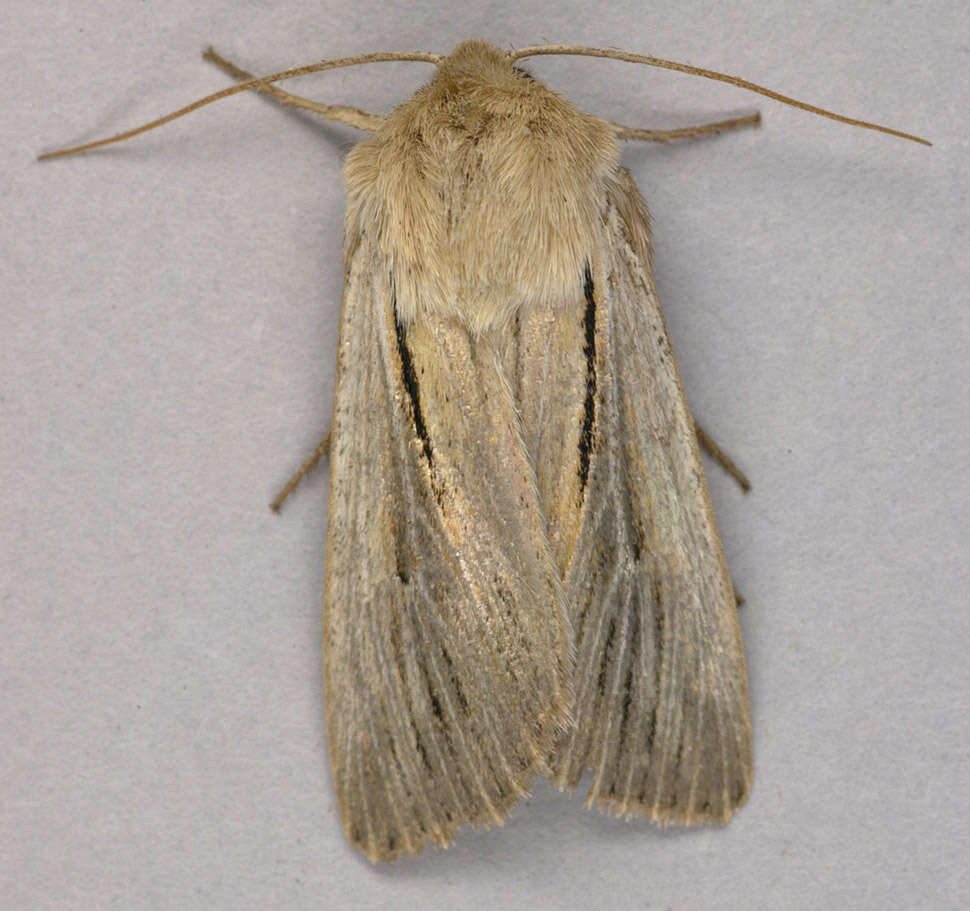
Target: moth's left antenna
column 250, row 84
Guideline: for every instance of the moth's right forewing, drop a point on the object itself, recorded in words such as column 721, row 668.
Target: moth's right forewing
column 661, row 700
column 446, row 640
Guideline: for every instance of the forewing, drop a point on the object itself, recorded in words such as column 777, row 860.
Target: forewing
column 445, row 633
column 661, row 713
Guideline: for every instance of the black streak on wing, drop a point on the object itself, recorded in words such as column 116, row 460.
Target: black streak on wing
column 411, row 385
column 658, row 632
column 589, row 407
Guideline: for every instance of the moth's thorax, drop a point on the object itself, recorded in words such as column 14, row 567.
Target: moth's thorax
column 485, row 189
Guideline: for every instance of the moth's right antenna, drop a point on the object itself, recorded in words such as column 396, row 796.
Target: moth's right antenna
column 541, row 49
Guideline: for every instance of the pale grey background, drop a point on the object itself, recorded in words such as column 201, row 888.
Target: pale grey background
column 168, row 336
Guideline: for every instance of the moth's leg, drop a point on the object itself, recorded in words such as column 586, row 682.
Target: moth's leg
column 323, row 448
column 721, row 457
column 705, row 129
column 355, row 117
column 725, row 462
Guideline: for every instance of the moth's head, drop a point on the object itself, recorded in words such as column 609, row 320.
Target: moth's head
column 474, row 55
column 477, row 62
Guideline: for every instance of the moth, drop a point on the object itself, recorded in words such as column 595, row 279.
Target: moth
column 524, row 574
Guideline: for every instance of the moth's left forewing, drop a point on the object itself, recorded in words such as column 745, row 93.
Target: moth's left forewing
column 446, row 642
column 661, row 703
